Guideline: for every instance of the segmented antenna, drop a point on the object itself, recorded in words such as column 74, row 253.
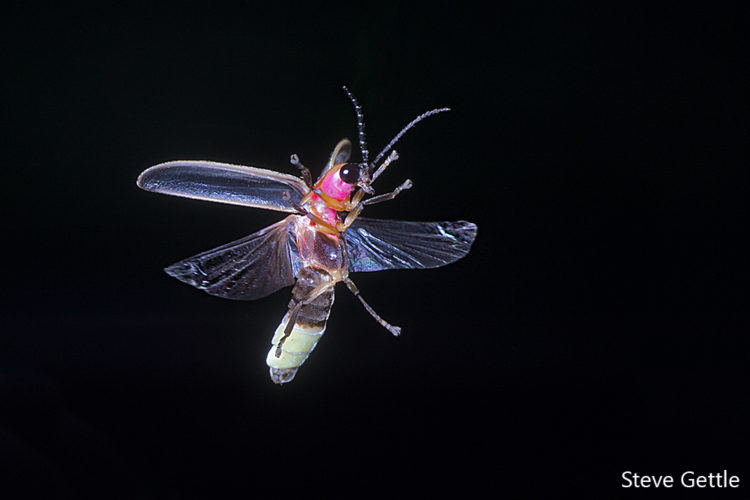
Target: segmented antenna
column 360, row 127
column 403, row 131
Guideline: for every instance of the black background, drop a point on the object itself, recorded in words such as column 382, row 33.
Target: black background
column 598, row 325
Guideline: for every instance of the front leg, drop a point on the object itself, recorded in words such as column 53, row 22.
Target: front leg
column 365, row 188
column 324, row 226
column 329, row 201
column 407, row 184
column 391, row 158
column 356, row 209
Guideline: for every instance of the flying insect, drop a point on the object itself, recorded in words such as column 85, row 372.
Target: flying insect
column 318, row 245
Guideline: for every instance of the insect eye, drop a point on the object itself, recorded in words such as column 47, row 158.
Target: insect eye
column 349, row 173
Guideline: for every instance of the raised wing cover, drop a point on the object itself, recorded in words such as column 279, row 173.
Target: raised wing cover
column 225, row 183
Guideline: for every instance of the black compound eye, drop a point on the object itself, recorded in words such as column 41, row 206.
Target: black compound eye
column 349, row 173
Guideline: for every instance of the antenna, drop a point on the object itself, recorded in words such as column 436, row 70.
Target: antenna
column 360, row 127
column 403, row 131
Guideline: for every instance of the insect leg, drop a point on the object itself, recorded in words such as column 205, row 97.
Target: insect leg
column 355, row 200
column 356, row 205
column 289, row 327
column 352, row 216
column 391, row 158
column 365, row 186
column 294, row 311
column 324, row 226
column 331, row 202
column 407, row 184
column 306, row 175
column 395, row 330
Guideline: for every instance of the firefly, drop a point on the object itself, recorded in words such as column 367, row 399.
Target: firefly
column 321, row 243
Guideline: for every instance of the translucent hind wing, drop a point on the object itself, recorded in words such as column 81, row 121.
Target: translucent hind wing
column 375, row 245
column 247, row 269
column 225, row 183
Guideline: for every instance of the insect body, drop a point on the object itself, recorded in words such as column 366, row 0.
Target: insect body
column 314, row 248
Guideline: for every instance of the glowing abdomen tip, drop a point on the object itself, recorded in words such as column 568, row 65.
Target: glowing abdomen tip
column 282, row 375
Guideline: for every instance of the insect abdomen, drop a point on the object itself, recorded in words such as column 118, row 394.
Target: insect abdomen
column 309, row 325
